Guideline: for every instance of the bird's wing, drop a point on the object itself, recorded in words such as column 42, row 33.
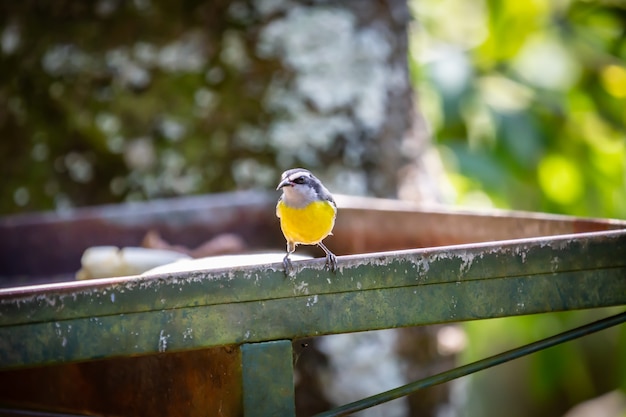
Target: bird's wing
column 277, row 204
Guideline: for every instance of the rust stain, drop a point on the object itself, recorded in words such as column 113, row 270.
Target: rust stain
column 202, row 383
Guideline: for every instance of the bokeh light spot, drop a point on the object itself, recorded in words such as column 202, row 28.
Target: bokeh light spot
column 614, row 80
column 560, row 179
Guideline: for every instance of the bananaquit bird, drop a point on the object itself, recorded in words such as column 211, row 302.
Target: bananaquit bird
column 307, row 213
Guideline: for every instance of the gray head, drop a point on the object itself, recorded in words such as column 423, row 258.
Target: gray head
column 300, row 188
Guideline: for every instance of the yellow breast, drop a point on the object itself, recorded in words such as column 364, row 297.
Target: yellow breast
column 307, row 225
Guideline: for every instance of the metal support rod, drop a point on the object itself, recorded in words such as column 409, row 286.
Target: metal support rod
column 468, row 369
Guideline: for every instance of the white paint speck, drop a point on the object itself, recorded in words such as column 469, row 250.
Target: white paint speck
column 311, row 301
column 163, row 338
column 521, row 252
column 554, row 264
column 57, row 329
column 188, row 333
column 467, row 259
column 301, row 288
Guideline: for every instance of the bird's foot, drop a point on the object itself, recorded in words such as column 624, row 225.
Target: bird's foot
column 287, row 265
column 331, row 261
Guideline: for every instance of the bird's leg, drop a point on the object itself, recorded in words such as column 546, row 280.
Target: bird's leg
column 291, row 247
column 331, row 259
column 287, row 264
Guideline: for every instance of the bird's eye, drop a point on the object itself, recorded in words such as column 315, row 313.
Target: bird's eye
column 299, row 180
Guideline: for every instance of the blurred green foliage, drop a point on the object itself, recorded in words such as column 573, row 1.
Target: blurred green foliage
column 526, row 101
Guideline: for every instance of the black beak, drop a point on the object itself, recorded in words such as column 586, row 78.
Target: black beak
column 284, row 183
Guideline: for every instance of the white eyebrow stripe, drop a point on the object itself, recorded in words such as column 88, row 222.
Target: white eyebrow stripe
column 298, row 174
